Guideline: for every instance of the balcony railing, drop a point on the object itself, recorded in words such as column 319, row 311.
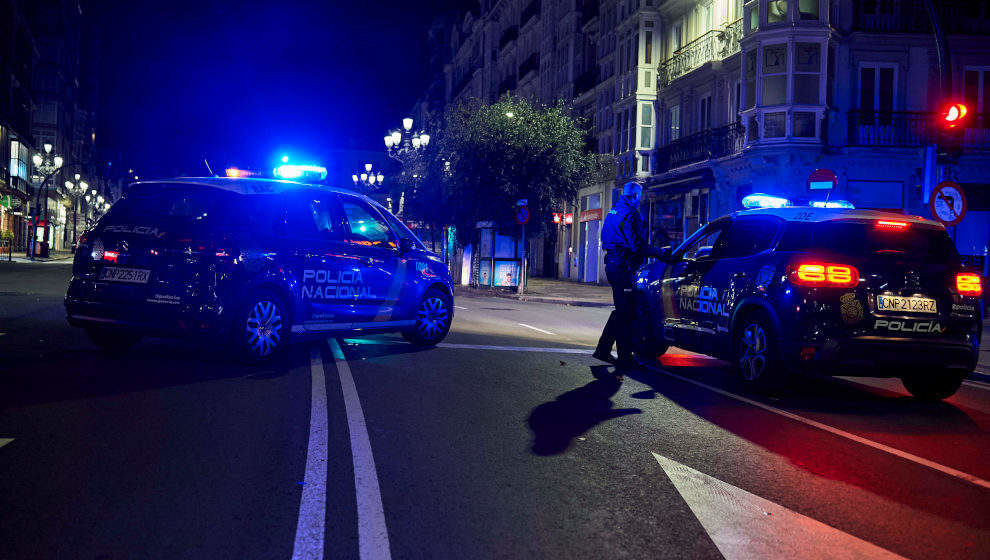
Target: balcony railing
column 907, row 128
column 509, row 35
column 911, row 16
column 701, row 146
column 713, row 45
column 531, row 64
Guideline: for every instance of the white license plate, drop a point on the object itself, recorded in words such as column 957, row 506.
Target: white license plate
column 132, row 275
column 901, row 304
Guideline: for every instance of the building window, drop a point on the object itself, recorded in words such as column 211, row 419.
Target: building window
column 753, row 130
column 774, row 74
column 804, row 124
column 18, row 160
column 736, row 106
column 648, row 44
column 776, row 11
column 774, row 125
column 645, row 164
column 705, row 113
column 675, row 37
column 808, row 9
column 977, row 89
column 674, row 118
column 807, row 70
column 876, row 93
column 752, row 16
column 751, row 79
column 646, row 126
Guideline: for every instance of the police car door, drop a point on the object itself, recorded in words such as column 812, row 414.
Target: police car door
column 735, row 270
column 683, row 296
column 375, row 253
column 317, row 254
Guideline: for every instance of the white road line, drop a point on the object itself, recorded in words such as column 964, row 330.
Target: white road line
column 743, row 525
column 372, row 532
column 459, row 307
column 5, row 441
column 836, row 431
column 535, row 329
column 311, row 529
column 514, row 348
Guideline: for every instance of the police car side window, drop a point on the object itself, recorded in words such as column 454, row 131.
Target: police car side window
column 747, row 236
column 312, row 216
column 365, row 225
column 708, row 239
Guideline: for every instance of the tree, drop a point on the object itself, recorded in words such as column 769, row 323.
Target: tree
column 490, row 156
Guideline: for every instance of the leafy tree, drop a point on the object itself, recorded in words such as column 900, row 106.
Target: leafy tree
column 490, row 156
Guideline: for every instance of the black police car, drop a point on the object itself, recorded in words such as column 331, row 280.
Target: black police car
column 839, row 291
column 255, row 260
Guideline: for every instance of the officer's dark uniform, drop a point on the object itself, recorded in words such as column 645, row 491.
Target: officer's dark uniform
column 624, row 242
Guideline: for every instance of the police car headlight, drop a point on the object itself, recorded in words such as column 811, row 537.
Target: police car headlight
column 97, row 251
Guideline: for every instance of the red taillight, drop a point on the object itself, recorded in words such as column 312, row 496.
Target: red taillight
column 110, row 256
column 969, row 284
column 824, row 275
column 891, row 225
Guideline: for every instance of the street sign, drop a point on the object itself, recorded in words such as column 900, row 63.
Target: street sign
column 822, row 179
column 591, row 215
column 948, row 203
column 522, row 215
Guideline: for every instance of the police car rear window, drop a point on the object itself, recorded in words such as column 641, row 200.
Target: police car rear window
column 171, row 203
column 864, row 239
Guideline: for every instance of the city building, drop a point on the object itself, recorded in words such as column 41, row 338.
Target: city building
column 755, row 96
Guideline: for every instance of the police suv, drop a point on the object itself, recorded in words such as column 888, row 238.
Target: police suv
column 837, row 291
column 253, row 260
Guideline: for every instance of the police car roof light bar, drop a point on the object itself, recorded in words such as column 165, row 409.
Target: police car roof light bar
column 760, row 200
column 831, row 204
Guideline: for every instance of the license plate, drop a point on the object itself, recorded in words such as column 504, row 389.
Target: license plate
column 132, row 275
column 901, row 304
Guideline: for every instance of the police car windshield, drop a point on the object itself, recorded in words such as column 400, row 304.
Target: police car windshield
column 864, row 239
column 400, row 228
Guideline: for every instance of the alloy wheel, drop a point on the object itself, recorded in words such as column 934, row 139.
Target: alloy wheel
column 432, row 317
column 753, row 362
column 264, row 328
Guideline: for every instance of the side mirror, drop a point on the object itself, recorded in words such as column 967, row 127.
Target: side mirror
column 404, row 245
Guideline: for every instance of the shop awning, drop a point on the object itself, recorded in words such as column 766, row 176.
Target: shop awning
column 677, row 184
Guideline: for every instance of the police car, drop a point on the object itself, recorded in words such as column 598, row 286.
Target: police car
column 255, row 261
column 839, row 291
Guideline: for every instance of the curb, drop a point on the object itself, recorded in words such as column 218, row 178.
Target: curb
column 468, row 292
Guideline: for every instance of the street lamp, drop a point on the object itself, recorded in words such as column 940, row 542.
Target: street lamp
column 368, row 178
column 400, row 144
column 45, row 166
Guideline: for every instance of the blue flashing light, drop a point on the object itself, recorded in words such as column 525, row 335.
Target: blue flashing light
column 760, row 200
column 832, row 204
column 307, row 172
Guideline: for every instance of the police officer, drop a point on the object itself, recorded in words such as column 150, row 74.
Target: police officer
column 624, row 242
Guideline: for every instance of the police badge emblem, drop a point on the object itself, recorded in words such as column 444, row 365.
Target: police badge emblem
column 852, row 310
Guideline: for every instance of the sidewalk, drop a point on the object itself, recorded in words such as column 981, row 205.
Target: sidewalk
column 54, row 257
column 546, row 290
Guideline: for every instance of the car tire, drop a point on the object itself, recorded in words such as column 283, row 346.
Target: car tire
column 261, row 328
column 112, row 340
column 933, row 386
column 756, row 351
column 432, row 321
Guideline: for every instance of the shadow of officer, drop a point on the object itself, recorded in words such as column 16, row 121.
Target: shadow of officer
column 625, row 245
column 556, row 423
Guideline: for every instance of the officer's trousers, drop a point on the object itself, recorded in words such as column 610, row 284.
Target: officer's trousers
column 618, row 328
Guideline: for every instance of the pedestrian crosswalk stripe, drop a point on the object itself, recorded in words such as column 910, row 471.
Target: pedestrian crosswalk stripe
column 5, row 441
column 744, row 525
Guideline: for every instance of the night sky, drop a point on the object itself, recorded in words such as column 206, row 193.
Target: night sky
column 242, row 82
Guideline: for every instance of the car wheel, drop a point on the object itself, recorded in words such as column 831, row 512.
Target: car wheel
column 262, row 328
column 432, row 319
column 112, row 340
column 757, row 359
column 933, row 386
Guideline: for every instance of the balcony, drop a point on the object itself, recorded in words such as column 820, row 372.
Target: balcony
column 531, row 11
column 510, row 34
column 911, row 16
column 908, row 129
column 702, row 146
column 531, row 64
column 714, row 45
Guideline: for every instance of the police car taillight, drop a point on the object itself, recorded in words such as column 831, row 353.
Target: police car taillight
column 823, row 275
column 110, row 256
column 891, row 225
column 969, row 284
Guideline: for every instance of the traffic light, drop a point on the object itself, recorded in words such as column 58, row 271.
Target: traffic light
column 952, row 123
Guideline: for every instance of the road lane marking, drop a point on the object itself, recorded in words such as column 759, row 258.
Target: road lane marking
column 372, row 532
column 744, row 525
column 514, row 348
column 5, row 441
column 311, row 529
column 836, row 431
column 535, row 329
column 459, row 307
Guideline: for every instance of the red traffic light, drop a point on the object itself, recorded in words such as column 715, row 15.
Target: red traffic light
column 954, row 115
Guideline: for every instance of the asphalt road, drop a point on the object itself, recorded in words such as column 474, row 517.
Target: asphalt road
column 507, row 441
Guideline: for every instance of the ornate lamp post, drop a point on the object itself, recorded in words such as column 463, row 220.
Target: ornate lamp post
column 368, row 178
column 46, row 166
column 402, row 143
